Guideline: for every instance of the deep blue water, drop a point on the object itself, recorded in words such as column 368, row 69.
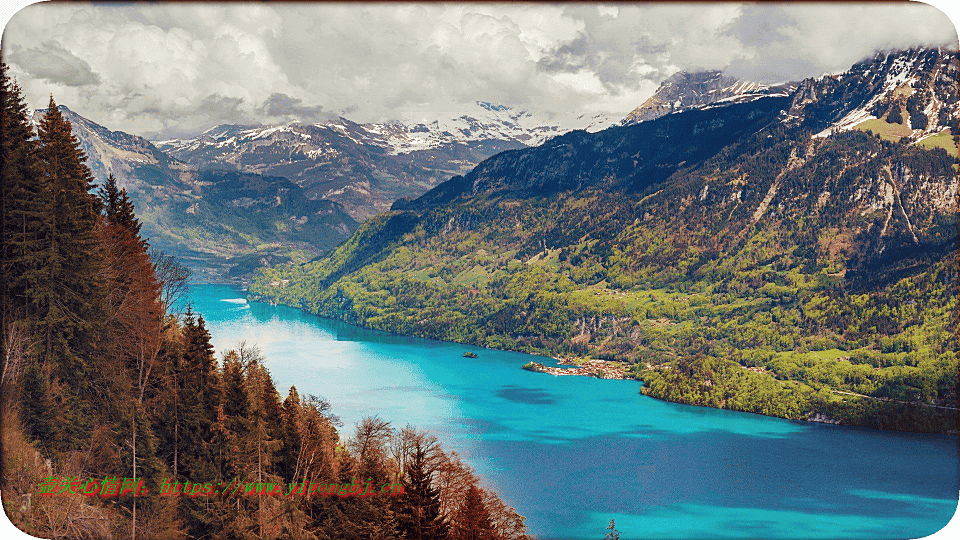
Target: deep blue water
column 571, row 453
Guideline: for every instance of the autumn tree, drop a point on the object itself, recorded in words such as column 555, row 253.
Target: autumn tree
column 318, row 459
column 507, row 523
column 472, row 521
column 174, row 279
column 453, row 478
column 366, row 462
column 369, row 446
column 132, row 301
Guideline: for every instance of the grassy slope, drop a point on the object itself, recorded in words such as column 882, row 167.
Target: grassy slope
column 941, row 140
column 889, row 132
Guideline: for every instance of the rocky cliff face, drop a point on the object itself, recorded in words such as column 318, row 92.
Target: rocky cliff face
column 914, row 90
column 211, row 219
column 688, row 90
column 139, row 166
column 629, row 158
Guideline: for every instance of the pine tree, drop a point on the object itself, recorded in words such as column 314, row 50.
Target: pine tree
column 419, row 507
column 68, row 236
column 231, row 514
column 288, row 465
column 119, row 209
column 53, row 249
column 68, row 298
column 37, row 407
column 137, row 453
column 895, row 116
column 21, row 210
column 166, row 407
column 263, row 443
column 233, row 423
column 198, row 405
column 199, row 400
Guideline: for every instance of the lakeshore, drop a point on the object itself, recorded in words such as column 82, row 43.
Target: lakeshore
column 600, row 369
column 521, row 428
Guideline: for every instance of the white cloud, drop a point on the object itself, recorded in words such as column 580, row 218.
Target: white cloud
column 172, row 69
column 52, row 63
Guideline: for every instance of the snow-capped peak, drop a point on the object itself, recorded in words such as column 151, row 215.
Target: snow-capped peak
column 416, row 129
column 685, row 90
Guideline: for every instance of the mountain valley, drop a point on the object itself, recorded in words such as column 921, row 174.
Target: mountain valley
column 360, row 169
column 766, row 255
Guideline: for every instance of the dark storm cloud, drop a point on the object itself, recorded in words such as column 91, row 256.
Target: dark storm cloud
column 282, row 105
column 569, row 57
column 53, row 63
column 225, row 108
column 772, row 70
column 610, row 62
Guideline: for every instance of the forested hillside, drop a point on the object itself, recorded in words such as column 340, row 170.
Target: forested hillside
column 759, row 256
column 119, row 421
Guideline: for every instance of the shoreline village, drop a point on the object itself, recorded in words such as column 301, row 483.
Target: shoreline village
column 601, row 369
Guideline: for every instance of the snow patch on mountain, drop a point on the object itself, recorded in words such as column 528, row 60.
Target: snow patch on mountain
column 415, row 130
column 704, row 89
column 924, row 75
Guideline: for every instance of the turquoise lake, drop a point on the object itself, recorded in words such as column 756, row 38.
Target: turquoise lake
column 571, row 453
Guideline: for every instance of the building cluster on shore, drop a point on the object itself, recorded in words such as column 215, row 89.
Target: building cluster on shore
column 600, row 369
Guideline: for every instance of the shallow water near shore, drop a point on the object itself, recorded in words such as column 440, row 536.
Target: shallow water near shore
column 571, row 453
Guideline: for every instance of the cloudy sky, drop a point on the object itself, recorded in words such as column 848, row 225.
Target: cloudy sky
column 174, row 69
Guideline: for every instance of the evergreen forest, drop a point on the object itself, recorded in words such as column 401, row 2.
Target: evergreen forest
column 118, row 419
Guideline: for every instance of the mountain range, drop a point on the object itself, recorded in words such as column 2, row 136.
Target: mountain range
column 343, row 171
column 359, row 170
column 221, row 223
column 366, row 167
column 786, row 252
